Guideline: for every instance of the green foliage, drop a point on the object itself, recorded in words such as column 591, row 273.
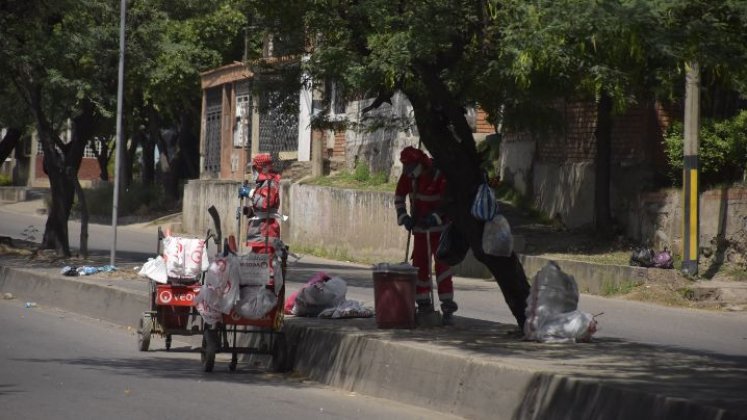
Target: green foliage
column 5, row 180
column 359, row 179
column 361, row 173
column 722, row 153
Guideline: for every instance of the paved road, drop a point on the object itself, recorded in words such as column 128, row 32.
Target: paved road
column 60, row 365
column 703, row 331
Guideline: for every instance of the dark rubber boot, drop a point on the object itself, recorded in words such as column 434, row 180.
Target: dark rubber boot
column 448, row 307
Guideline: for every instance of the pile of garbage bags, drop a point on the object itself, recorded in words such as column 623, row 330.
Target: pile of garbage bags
column 323, row 296
column 552, row 309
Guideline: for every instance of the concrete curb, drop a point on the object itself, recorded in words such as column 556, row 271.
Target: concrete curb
column 473, row 370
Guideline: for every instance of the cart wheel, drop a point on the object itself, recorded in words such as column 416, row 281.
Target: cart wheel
column 144, row 328
column 282, row 360
column 168, row 342
column 209, row 345
column 234, row 362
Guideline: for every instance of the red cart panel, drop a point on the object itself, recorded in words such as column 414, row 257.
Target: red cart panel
column 176, row 295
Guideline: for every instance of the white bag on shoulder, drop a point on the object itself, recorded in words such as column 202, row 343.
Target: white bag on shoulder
column 496, row 237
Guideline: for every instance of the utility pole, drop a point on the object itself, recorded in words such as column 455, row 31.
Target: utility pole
column 690, row 190
column 120, row 136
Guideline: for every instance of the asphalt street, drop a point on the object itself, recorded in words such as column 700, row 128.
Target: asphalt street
column 60, row 365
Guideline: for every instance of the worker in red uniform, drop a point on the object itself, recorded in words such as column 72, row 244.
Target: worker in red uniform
column 263, row 229
column 425, row 185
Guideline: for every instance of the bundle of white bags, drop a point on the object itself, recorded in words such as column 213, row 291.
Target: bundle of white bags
column 232, row 285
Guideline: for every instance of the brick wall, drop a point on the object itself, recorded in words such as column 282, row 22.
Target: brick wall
column 338, row 151
column 482, row 126
column 636, row 135
column 89, row 169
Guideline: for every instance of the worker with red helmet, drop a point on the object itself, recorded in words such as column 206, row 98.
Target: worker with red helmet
column 425, row 185
column 263, row 210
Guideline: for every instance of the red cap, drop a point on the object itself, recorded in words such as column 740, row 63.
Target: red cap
column 411, row 155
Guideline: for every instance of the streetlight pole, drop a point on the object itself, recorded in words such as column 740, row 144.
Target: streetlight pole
column 120, row 136
column 690, row 195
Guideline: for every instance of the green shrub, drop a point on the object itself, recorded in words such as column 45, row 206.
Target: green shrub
column 361, row 173
column 5, row 180
column 722, row 150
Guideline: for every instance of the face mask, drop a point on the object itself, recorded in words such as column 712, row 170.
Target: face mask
column 255, row 175
column 416, row 171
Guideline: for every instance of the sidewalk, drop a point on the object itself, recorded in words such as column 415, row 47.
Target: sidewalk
column 474, row 370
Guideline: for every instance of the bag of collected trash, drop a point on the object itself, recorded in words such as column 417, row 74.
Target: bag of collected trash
column 484, row 207
column 642, row 257
column 155, row 269
column 186, row 258
column 220, row 292
column 255, row 301
column 452, row 248
column 347, row 309
column 552, row 314
column 497, row 239
column 663, row 259
column 314, row 298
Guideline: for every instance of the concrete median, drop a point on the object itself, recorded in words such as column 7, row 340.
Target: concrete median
column 475, row 370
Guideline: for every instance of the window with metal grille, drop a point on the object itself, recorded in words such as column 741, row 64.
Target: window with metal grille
column 213, row 99
column 243, row 126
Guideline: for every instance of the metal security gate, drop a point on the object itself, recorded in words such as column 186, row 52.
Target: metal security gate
column 213, row 119
column 278, row 124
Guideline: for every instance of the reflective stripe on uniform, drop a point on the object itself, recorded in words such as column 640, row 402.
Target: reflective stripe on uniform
column 443, row 276
column 428, row 197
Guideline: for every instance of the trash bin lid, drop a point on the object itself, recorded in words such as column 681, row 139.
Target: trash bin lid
column 404, row 268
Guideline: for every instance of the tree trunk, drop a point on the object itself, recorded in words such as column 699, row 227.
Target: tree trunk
column 83, row 218
column 443, row 128
column 102, row 158
column 9, row 142
column 603, row 134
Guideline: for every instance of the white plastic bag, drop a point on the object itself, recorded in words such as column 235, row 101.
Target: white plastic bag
column 313, row 299
column 154, row 269
column 255, row 302
column 497, row 238
column 184, row 257
column 552, row 309
column 220, row 292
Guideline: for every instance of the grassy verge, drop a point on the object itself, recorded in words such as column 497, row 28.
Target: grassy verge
column 360, row 179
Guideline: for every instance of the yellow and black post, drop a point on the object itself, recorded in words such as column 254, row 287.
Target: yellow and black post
column 690, row 191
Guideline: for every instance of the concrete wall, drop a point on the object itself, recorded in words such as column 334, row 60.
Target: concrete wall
column 361, row 225
column 13, row 194
column 658, row 216
column 350, row 224
column 199, row 195
column 565, row 191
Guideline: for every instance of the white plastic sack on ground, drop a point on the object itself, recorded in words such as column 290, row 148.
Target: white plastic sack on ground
column 185, row 257
column 313, row 299
column 347, row 309
column 496, row 237
column 154, row 269
column 221, row 290
column 552, row 309
column 255, row 302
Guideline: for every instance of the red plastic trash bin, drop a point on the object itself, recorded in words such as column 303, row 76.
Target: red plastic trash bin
column 394, row 295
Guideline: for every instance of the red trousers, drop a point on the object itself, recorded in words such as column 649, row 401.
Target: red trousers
column 420, row 259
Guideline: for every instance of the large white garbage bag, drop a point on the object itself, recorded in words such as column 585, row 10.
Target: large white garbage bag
column 552, row 309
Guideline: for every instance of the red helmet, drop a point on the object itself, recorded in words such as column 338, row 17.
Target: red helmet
column 411, row 155
column 261, row 161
